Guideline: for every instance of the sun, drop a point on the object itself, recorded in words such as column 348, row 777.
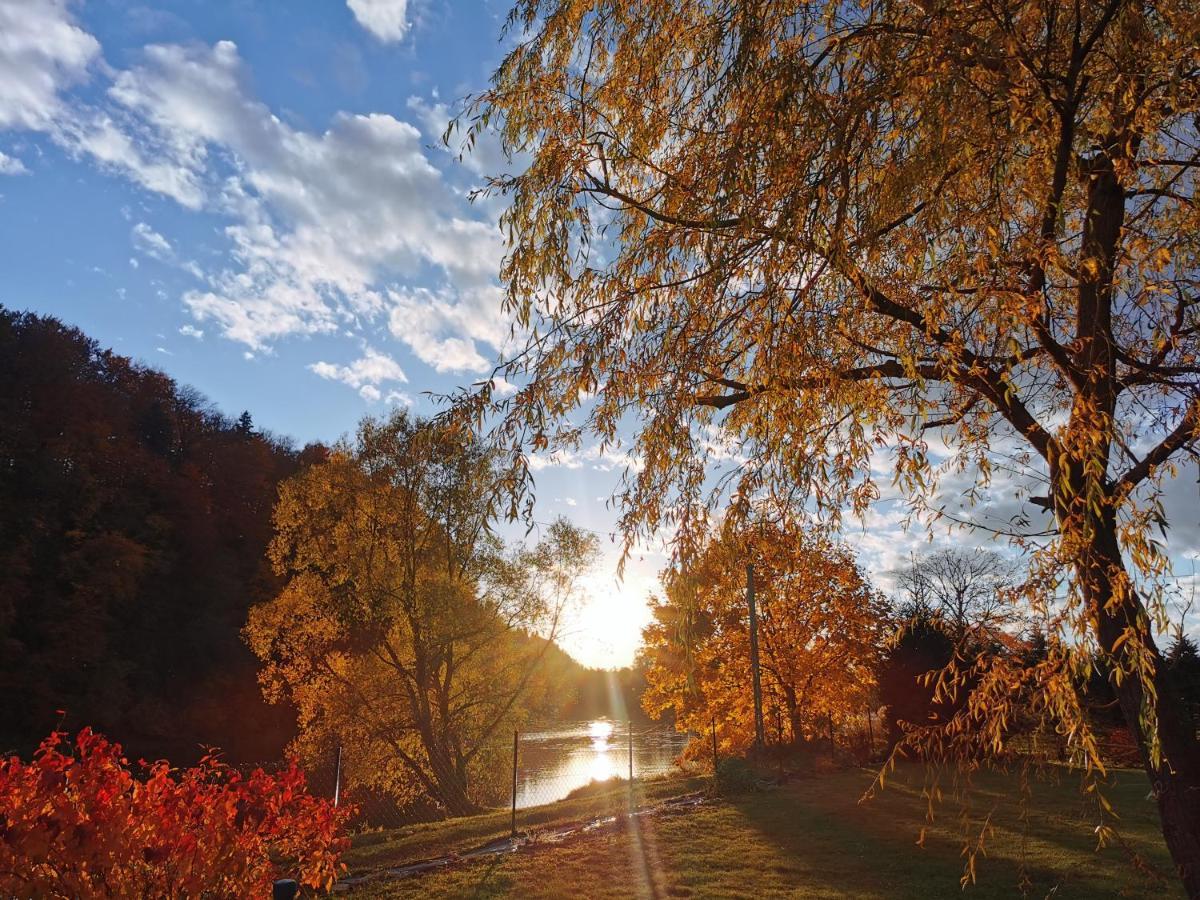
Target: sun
column 605, row 630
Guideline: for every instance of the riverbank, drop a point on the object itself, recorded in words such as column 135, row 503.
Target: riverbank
column 808, row 838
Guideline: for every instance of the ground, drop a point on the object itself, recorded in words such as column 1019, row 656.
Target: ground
column 809, row 838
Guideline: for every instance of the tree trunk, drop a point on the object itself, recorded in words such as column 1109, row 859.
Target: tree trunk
column 453, row 796
column 1176, row 776
column 793, row 713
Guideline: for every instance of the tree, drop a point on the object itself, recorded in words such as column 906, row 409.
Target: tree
column 820, row 630
column 405, row 631
column 919, row 648
column 1183, row 663
column 827, row 227
column 134, row 522
column 970, row 590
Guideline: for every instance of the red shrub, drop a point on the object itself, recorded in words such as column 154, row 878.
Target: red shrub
column 76, row 822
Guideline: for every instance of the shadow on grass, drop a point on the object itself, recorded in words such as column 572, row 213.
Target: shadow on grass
column 840, row 847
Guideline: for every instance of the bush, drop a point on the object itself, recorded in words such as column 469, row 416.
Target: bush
column 76, row 822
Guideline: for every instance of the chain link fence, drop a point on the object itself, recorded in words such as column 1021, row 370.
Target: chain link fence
column 524, row 770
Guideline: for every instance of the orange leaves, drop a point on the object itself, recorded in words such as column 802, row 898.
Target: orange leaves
column 76, row 822
column 820, row 628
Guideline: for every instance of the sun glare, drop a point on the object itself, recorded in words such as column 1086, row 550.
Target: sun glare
column 600, row 730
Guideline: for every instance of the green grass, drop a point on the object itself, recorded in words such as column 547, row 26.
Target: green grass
column 811, row 839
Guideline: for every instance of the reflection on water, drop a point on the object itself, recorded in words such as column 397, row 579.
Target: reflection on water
column 554, row 763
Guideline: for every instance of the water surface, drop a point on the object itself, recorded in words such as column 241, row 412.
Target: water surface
column 554, row 762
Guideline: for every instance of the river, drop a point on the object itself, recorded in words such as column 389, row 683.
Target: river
column 555, row 762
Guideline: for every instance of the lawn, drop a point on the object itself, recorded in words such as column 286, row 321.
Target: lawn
column 809, row 838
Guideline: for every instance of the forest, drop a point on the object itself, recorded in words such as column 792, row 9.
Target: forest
column 134, row 525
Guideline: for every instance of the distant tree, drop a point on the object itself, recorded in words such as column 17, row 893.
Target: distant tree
column 405, row 632
column 245, row 424
column 820, row 630
column 970, row 590
column 1183, row 664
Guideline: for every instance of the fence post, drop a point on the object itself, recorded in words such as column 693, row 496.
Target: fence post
column 514, row 785
column 870, row 736
column 337, row 778
column 629, row 731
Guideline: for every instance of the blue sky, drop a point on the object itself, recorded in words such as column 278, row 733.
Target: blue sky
column 253, row 196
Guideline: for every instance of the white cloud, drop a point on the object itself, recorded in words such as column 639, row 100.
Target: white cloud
column 386, row 19
column 441, row 327
column 502, row 387
column 484, row 156
column 320, row 220
column 364, row 374
column 326, row 229
column 150, row 242
column 560, row 459
column 11, row 166
column 42, row 51
column 192, row 332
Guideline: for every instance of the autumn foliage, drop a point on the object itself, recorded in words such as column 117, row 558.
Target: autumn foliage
column 78, row 822
column 820, row 626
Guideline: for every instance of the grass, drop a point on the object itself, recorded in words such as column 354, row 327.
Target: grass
column 810, row 838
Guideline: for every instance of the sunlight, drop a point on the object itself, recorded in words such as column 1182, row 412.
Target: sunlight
column 600, row 731
column 602, row 767
column 604, row 630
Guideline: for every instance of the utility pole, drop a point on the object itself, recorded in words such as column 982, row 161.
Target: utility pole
column 759, row 738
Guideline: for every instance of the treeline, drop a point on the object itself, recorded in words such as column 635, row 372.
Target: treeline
column 597, row 693
column 134, row 519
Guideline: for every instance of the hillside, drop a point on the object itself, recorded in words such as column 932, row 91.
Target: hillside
column 133, row 524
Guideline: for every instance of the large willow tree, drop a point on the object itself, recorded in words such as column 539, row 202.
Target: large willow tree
column 827, row 225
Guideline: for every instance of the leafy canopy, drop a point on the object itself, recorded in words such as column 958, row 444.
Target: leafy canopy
column 405, row 631
column 820, row 630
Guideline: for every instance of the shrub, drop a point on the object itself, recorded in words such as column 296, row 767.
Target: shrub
column 76, row 822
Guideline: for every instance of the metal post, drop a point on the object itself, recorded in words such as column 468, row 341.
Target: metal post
column 337, row 778
column 870, row 735
column 629, row 729
column 759, row 738
column 514, row 789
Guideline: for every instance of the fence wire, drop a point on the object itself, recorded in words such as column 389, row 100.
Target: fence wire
column 532, row 768
column 539, row 766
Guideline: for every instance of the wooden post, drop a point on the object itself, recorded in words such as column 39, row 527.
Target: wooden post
column 870, row 735
column 714, row 743
column 759, row 738
column 831, row 748
column 514, row 786
column 337, row 778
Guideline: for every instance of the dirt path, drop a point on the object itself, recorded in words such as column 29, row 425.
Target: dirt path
column 554, row 835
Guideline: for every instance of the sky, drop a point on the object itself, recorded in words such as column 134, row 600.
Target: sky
column 253, row 196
